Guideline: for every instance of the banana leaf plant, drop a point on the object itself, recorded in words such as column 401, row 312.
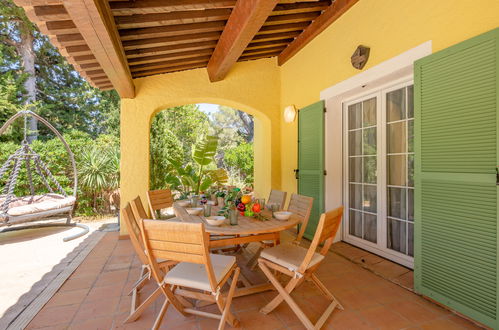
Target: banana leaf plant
column 203, row 154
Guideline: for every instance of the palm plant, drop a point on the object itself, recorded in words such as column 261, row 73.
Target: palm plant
column 204, row 154
column 98, row 172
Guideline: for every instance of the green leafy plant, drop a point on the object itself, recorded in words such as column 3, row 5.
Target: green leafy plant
column 203, row 154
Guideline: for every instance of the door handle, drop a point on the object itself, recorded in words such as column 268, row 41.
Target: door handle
column 497, row 175
column 296, row 173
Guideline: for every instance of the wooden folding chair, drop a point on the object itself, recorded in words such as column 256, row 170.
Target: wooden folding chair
column 300, row 264
column 131, row 221
column 199, row 274
column 277, row 197
column 159, row 200
column 301, row 206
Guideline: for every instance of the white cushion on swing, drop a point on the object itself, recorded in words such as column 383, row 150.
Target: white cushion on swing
column 40, row 203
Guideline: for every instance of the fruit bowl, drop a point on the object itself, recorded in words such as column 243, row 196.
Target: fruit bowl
column 215, row 220
column 282, row 215
column 194, row 210
column 183, row 203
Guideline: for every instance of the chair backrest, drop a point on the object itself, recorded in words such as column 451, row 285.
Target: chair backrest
column 277, row 197
column 138, row 209
column 159, row 199
column 132, row 224
column 327, row 228
column 301, row 206
column 177, row 241
column 181, row 213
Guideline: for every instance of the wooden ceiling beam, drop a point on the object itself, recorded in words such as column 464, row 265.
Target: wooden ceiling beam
column 73, row 39
column 328, row 17
column 173, row 56
column 170, row 49
column 157, row 6
column 51, row 13
column 31, row 3
column 61, row 27
column 258, row 56
column 267, row 29
column 165, row 41
column 172, row 18
column 276, row 36
column 95, row 23
column 246, row 19
column 301, row 7
column 264, row 50
column 171, row 30
column 267, row 44
column 85, row 59
column 292, row 18
column 169, row 70
column 169, row 64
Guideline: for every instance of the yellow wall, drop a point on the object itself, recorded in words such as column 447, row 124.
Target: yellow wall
column 388, row 27
column 251, row 86
column 261, row 88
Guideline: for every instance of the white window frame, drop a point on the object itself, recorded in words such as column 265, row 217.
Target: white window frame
column 380, row 247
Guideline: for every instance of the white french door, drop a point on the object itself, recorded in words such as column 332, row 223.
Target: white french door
column 378, row 172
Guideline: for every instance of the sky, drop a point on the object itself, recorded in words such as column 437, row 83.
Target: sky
column 208, row 108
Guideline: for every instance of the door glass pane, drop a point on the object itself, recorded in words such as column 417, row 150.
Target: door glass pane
column 410, row 240
column 369, row 112
column 369, row 147
column 355, row 222
column 370, row 227
column 355, row 116
column 370, row 169
column 410, row 101
column 395, row 105
column 369, row 202
column 355, row 169
column 396, row 170
column 410, row 170
column 396, row 235
column 355, row 143
column 395, row 137
column 410, row 204
column 356, row 196
column 410, row 137
column 396, row 203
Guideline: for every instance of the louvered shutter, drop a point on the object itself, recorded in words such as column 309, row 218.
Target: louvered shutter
column 456, row 102
column 311, row 160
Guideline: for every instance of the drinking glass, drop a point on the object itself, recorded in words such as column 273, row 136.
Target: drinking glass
column 207, row 209
column 233, row 214
column 194, row 200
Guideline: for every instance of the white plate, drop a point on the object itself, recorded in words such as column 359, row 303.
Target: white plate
column 282, row 215
column 194, row 210
column 215, row 220
column 183, row 203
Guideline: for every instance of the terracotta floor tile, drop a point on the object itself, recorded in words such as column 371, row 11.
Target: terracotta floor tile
column 388, row 269
column 68, row 298
column 52, row 316
column 104, row 292
column 98, row 323
column 368, row 260
column 414, row 312
column 78, row 283
column 253, row 319
column 382, row 317
column 102, row 307
column 346, row 320
column 111, row 278
column 463, row 322
column 406, row 280
column 355, row 299
column 442, row 324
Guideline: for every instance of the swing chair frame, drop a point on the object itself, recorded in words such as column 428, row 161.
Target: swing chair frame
column 41, row 170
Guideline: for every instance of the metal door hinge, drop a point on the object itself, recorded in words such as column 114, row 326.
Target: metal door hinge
column 296, row 173
column 325, row 172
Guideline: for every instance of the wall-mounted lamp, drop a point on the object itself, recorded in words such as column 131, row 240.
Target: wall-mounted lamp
column 289, row 113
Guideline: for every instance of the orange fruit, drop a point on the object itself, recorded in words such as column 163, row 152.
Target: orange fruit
column 246, row 199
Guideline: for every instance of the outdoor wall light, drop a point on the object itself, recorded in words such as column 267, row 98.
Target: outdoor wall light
column 289, row 113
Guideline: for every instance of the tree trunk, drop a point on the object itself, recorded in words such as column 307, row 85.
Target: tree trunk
column 25, row 48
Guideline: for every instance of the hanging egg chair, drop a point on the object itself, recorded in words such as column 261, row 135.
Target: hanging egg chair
column 55, row 201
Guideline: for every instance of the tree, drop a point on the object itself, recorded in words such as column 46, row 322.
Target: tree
column 18, row 32
column 241, row 160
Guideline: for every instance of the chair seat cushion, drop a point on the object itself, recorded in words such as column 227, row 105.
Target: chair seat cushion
column 195, row 276
column 289, row 256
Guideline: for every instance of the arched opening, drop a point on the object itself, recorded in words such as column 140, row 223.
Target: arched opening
column 176, row 132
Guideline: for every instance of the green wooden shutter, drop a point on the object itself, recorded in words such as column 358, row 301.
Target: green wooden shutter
column 456, row 102
column 311, row 160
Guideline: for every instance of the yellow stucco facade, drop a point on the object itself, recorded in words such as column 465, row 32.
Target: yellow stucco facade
column 263, row 89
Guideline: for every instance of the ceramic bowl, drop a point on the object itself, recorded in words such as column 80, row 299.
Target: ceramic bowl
column 194, row 210
column 215, row 220
column 183, row 203
column 282, row 215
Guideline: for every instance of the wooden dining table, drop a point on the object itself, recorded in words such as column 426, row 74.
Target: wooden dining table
column 247, row 230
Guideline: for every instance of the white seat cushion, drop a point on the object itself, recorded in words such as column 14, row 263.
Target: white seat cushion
column 195, row 276
column 289, row 256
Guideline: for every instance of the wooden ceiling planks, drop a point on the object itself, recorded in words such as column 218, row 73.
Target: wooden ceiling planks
column 159, row 36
